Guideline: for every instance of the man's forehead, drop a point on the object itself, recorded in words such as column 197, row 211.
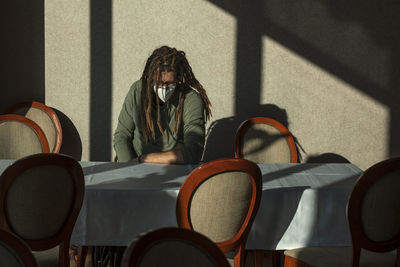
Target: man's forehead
column 164, row 75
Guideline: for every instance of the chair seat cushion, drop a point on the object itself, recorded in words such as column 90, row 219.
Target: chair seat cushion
column 340, row 256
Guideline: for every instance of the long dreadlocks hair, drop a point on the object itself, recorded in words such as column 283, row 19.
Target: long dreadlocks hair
column 166, row 59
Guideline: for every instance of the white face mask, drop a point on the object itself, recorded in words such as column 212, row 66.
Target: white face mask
column 164, row 92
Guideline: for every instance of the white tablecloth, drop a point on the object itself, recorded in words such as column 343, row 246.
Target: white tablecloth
column 301, row 205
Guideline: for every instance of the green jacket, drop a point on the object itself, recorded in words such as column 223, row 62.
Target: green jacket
column 129, row 141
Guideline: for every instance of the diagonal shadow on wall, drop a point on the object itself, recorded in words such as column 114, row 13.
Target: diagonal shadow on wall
column 221, row 133
column 358, row 42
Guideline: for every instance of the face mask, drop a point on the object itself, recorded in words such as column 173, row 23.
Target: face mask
column 164, row 92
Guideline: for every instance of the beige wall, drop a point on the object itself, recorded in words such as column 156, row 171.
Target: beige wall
column 329, row 76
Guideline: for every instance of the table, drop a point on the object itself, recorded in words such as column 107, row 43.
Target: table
column 302, row 204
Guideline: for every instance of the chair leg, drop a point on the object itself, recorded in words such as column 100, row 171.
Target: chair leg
column 238, row 260
column 63, row 254
column 83, row 250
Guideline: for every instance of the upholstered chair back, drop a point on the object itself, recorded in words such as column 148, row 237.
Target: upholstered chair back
column 220, row 205
column 14, row 252
column 40, row 199
column 45, row 117
column 220, row 200
column 374, row 207
column 263, row 139
column 174, row 247
column 20, row 137
column 381, row 208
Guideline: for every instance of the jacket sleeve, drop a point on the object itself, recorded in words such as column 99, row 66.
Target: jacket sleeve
column 193, row 128
column 123, row 135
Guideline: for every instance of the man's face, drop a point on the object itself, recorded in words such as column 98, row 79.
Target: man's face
column 165, row 86
column 167, row 78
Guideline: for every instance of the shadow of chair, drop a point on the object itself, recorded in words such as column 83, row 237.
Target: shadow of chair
column 14, row 252
column 220, row 199
column 40, row 199
column 45, row 117
column 263, row 140
column 173, row 247
column 20, row 137
column 373, row 213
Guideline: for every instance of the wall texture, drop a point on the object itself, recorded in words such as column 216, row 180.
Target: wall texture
column 329, row 70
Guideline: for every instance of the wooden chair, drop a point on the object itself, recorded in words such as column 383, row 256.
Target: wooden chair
column 14, row 252
column 20, row 137
column 173, row 247
column 262, row 139
column 373, row 213
column 40, row 199
column 45, row 117
column 220, row 199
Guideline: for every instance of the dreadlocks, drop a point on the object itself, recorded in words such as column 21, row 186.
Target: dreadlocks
column 166, row 59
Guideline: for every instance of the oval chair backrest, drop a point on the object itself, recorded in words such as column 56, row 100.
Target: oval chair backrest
column 174, row 247
column 14, row 252
column 219, row 199
column 374, row 207
column 20, row 137
column 45, row 117
column 264, row 140
column 41, row 196
column 220, row 204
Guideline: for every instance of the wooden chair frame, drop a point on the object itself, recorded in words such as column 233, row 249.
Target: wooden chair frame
column 241, row 131
column 19, row 247
column 354, row 207
column 62, row 237
column 36, row 128
column 133, row 254
column 49, row 111
column 204, row 172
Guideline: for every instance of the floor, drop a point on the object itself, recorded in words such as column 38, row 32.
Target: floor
column 88, row 262
column 249, row 261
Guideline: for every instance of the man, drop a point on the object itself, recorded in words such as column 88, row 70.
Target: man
column 163, row 116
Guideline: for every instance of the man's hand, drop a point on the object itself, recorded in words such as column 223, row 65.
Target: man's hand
column 168, row 157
